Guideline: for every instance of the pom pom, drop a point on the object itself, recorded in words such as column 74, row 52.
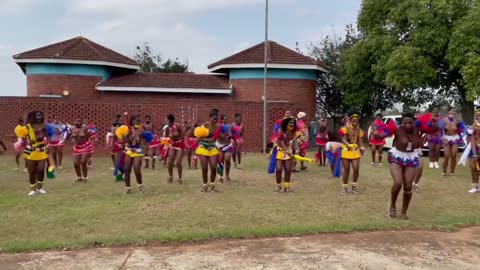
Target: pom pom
column 121, row 132
column 148, row 136
column 201, row 132
column 225, row 129
column 50, row 130
column 21, row 132
column 342, row 132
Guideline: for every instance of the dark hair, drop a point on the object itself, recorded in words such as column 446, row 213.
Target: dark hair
column 31, row 118
column 212, row 114
column 408, row 114
column 223, row 116
column 171, row 118
column 450, row 108
column 352, row 112
column 148, row 116
column 216, row 111
column 287, row 120
column 133, row 118
column 237, row 115
column 379, row 114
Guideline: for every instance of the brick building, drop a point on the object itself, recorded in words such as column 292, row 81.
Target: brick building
column 78, row 77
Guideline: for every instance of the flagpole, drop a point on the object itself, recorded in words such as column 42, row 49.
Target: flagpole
column 265, row 109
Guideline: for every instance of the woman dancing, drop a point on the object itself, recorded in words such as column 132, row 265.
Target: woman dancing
column 225, row 147
column 177, row 148
column 376, row 145
column 434, row 137
column 404, row 160
column 352, row 150
column 302, row 139
column 471, row 154
column 191, row 145
column 453, row 130
column 322, row 139
column 282, row 156
column 135, row 138
column 207, row 152
column 151, row 149
column 57, row 141
column 36, row 152
column 82, row 139
column 237, row 136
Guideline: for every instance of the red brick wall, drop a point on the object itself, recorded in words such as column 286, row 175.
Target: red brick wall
column 78, row 86
column 101, row 113
column 300, row 92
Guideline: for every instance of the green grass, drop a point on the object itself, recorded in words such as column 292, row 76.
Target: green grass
column 98, row 213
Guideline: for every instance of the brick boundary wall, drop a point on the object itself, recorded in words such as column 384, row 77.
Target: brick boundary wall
column 102, row 112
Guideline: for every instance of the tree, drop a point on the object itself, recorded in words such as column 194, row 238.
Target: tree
column 408, row 49
column 150, row 63
column 330, row 97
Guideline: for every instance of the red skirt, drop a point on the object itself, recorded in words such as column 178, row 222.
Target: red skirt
column 83, row 148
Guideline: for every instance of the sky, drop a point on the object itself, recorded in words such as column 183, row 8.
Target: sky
column 197, row 31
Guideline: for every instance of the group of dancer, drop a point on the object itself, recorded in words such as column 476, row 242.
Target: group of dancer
column 130, row 140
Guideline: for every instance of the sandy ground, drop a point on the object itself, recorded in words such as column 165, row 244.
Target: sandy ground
column 374, row 250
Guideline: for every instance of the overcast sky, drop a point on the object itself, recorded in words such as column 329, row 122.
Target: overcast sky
column 198, row 31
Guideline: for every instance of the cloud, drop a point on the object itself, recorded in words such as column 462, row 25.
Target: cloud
column 12, row 7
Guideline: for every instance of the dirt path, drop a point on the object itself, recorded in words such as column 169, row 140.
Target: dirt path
column 376, row 250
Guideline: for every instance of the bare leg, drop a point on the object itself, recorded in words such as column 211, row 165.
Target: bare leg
column 278, row 174
column 55, row 156
column 189, row 157
column 145, row 150
column 213, row 171
column 227, row 157
column 17, row 159
column 453, row 158
column 380, row 154
column 178, row 164
column 60, row 156
column 474, row 172
column 397, row 175
column 77, row 163
column 40, row 173
column 170, row 162
column 221, row 157
column 374, row 149
column 32, row 176
column 84, row 164
column 153, row 155
column 288, row 174
column 356, row 174
column 446, row 158
column 137, row 169
column 346, row 170
column 409, row 175
column 128, row 170
column 438, row 149
column 431, row 152
column 204, row 166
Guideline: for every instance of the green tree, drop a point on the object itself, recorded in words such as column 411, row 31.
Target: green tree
column 411, row 49
column 150, row 62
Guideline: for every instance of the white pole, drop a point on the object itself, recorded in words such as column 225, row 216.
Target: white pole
column 265, row 110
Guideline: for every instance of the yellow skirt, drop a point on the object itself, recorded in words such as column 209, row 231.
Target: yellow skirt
column 36, row 155
column 207, row 152
column 134, row 152
column 350, row 153
column 281, row 154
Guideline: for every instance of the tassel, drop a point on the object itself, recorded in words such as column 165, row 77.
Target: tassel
column 119, row 166
column 300, row 158
column 273, row 161
column 50, row 170
column 466, row 152
column 220, row 168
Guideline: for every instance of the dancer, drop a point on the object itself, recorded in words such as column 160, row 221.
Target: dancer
column 177, row 148
column 434, row 137
column 111, row 140
column 226, row 149
column 376, row 145
column 82, row 138
column 334, row 156
column 322, row 139
column 191, row 144
column 151, row 149
column 352, row 138
column 302, row 138
column 135, row 138
column 471, row 154
column 418, row 171
column 403, row 160
column 282, row 155
column 57, row 141
column 453, row 130
column 237, row 136
column 207, row 152
column 36, row 152
column 21, row 132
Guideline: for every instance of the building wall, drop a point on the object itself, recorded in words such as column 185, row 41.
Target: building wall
column 102, row 112
column 78, row 86
column 258, row 73
column 68, row 69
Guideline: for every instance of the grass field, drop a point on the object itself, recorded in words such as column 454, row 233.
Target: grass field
column 76, row 215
